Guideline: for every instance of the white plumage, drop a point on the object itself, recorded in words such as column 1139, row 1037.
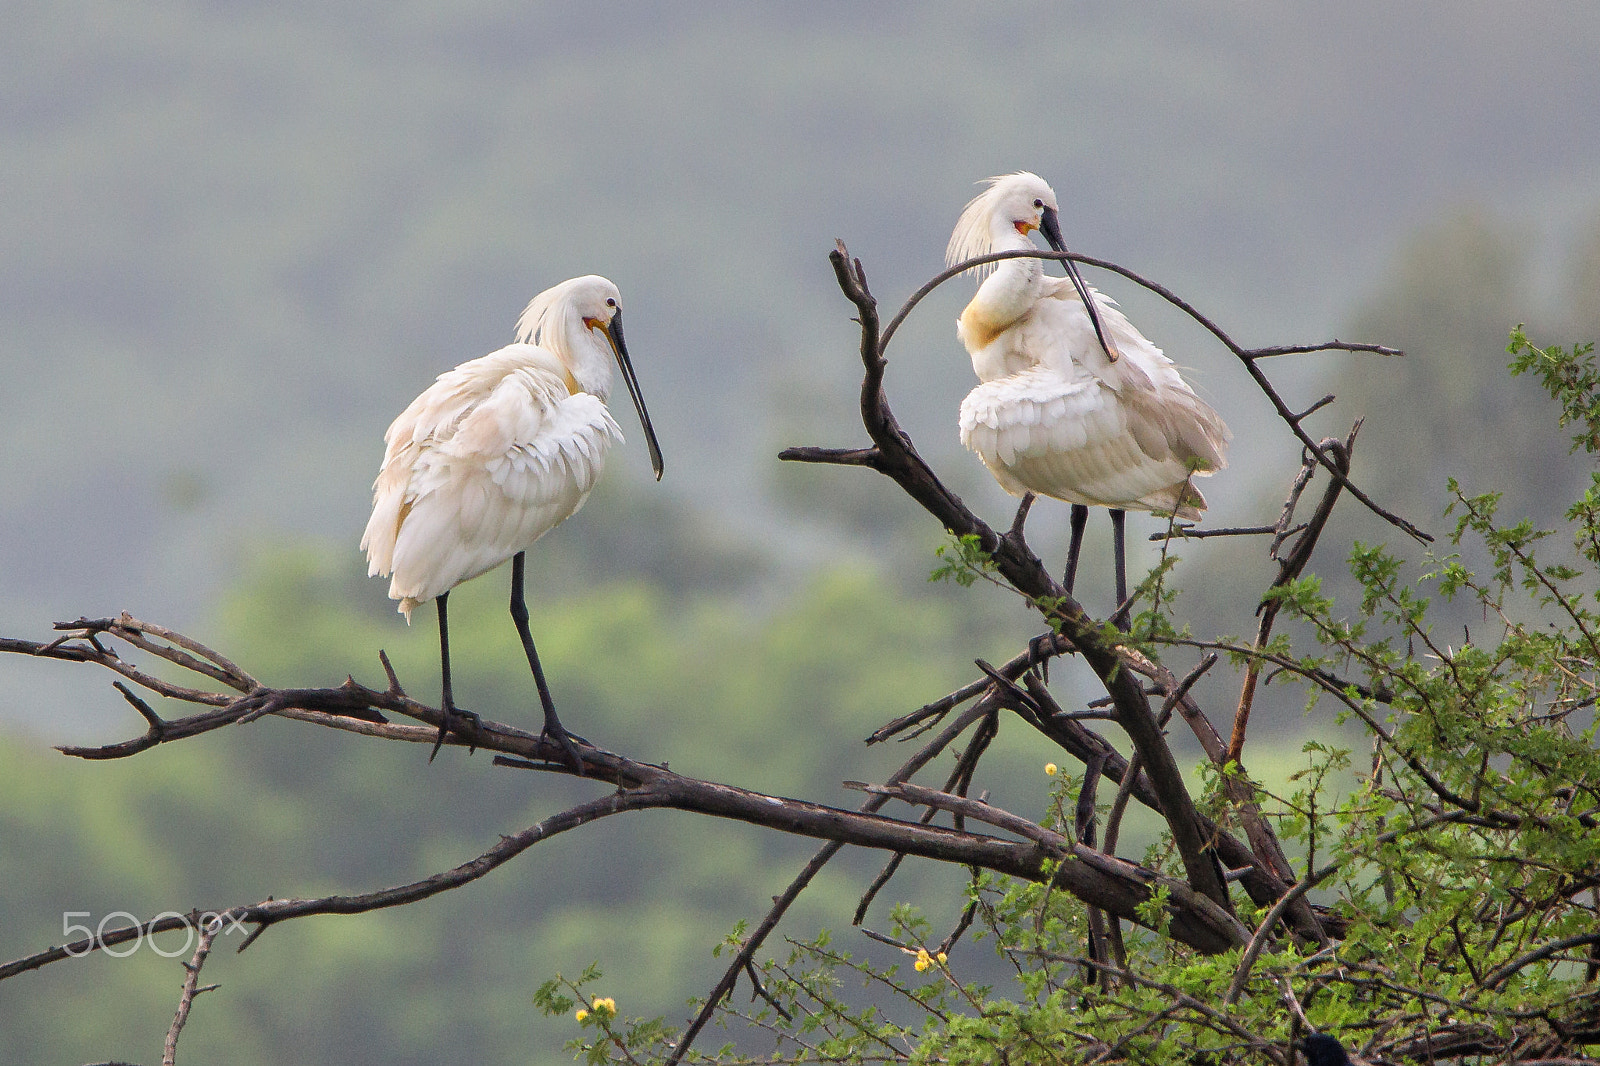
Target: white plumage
column 495, row 454
column 498, row 451
column 1057, row 413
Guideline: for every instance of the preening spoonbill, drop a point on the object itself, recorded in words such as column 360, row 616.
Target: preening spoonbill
column 495, row 454
column 1073, row 402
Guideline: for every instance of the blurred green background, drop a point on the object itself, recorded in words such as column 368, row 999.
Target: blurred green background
column 235, row 240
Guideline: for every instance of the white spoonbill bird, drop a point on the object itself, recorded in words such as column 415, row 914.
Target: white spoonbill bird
column 1073, row 402
column 495, row 454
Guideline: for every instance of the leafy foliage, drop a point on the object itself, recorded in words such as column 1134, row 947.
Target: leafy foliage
column 1459, row 863
column 1570, row 377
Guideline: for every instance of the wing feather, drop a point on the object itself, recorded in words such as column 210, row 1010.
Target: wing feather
column 495, row 454
column 1077, row 439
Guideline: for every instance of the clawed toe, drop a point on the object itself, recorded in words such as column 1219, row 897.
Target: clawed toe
column 554, row 731
column 451, row 723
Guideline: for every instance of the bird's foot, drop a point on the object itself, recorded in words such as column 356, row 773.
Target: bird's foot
column 451, row 723
column 555, row 731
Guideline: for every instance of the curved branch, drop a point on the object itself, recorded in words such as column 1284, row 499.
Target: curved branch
column 1544, row 951
column 898, row 459
column 1264, row 933
column 273, row 911
column 1248, row 356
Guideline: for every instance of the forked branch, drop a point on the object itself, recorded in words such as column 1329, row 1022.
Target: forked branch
column 355, row 708
column 898, row 459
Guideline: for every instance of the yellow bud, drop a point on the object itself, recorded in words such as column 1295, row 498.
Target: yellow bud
column 1050, row 768
column 582, row 1014
column 943, row 958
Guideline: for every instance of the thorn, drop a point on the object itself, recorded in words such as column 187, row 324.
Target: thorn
column 394, row 682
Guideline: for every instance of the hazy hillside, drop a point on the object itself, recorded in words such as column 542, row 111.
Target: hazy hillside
column 234, row 240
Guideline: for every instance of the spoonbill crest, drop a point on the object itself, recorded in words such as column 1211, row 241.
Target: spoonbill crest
column 495, row 454
column 1073, row 402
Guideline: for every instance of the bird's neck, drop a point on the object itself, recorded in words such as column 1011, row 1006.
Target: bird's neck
column 586, row 357
column 1004, row 297
column 1014, row 286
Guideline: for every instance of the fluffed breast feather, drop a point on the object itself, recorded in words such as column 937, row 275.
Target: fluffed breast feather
column 479, row 467
column 1080, row 441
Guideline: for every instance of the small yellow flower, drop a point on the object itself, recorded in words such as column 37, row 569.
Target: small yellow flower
column 582, row 1014
column 606, row 1004
column 922, row 963
column 942, row 957
column 1050, row 769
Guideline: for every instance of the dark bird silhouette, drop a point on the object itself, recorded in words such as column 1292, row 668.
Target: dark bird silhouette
column 1323, row 1050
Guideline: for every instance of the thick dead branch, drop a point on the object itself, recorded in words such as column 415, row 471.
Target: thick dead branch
column 1119, row 889
column 898, row 459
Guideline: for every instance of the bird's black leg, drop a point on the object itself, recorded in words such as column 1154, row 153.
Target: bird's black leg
column 1120, row 556
column 519, row 614
column 447, row 702
column 1080, row 518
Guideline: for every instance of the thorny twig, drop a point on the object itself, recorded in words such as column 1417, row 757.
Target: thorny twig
column 1289, row 568
column 895, row 456
column 191, row 989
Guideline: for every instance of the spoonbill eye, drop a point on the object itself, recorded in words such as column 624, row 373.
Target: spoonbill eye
column 610, row 302
column 1038, row 203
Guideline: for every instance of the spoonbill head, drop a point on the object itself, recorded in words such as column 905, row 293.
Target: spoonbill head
column 569, row 321
column 1001, row 219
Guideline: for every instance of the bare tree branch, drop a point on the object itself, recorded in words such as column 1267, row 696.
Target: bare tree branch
column 191, row 989
column 1289, row 569
column 898, row 459
column 782, row 903
column 1248, row 356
